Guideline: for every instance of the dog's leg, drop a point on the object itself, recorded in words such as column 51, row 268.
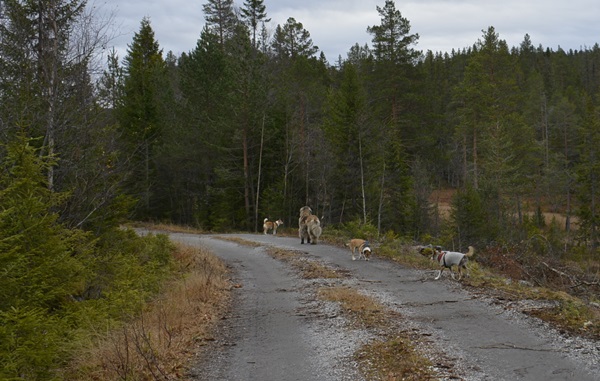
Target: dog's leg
column 452, row 273
column 353, row 255
column 462, row 265
column 439, row 273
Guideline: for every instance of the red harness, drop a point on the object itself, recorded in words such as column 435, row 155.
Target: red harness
column 441, row 258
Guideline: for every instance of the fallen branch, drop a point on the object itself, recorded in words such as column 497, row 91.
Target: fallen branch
column 576, row 282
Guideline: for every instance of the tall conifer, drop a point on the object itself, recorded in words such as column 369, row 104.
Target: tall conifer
column 140, row 113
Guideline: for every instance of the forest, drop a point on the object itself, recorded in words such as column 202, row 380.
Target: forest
column 252, row 123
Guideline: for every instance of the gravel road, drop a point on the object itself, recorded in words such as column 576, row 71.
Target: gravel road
column 277, row 330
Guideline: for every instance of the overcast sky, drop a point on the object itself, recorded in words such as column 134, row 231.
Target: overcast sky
column 336, row 25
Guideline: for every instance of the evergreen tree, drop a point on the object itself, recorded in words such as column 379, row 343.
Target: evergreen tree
column 346, row 129
column 110, row 87
column 42, row 266
column 38, row 250
column 140, row 114
column 40, row 69
column 46, row 89
column 291, row 40
column 206, row 137
column 486, row 95
column 254, row 12
column 220, row 19
column 588, row 178
column 393, row 78
column 470, row 222
column 392, row 39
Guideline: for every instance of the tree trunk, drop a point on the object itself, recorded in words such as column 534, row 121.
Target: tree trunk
column 362, row 180
column 475, row 170
column 262, row 139
column 246, row 171
column 48, row 49
column 380, row 201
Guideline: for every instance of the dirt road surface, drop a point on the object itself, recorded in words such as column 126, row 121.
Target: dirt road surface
column 278, row 330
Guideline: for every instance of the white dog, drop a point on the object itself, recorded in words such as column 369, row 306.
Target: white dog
column 269, row 225
column 448, row 259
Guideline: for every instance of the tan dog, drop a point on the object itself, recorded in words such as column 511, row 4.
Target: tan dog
column 309, row 226
column 313, row 227
column 269, row 225
column 361, row 246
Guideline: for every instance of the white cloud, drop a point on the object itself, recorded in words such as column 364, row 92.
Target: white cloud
column 336, row 25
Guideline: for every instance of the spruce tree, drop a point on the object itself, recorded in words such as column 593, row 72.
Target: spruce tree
column 140, row 114
column 345, row 124
column 42, row 266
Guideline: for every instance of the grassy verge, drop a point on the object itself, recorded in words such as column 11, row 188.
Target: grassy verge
column 159, row 341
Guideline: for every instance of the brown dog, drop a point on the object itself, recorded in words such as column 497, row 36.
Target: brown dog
column 269, row 225
column 313, row 227
column 361, row 246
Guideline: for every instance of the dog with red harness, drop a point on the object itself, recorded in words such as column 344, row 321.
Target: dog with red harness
column 449, row 259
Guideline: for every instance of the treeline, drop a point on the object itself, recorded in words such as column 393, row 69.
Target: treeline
column 248, row 125
column 251, row 124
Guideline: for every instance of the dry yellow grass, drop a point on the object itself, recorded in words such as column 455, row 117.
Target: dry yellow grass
column 159, row 343
column 366, row 311
column 394, row 356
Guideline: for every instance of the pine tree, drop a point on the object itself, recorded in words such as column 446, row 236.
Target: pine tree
column 392, row 39
column 220, row 19
column 291, row 40
column 393, row 78
column 254, row 12
column 486, row 96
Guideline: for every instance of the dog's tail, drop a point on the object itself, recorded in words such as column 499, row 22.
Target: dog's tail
column 265, row 220
column 470, row 252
